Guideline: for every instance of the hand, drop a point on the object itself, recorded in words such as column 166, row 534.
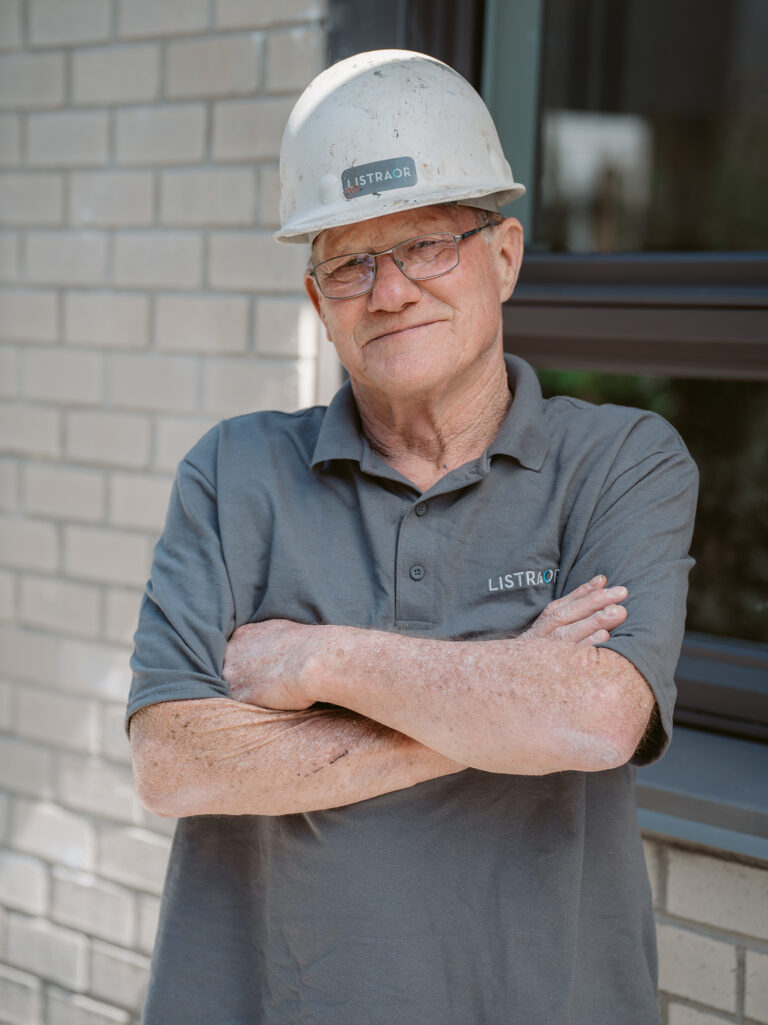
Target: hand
column 269, row 664
column 585, row 616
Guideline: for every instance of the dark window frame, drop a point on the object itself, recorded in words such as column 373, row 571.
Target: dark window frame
column 672, row 314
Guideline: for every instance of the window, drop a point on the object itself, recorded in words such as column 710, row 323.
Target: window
column 646, row 279
column 640, row 129
column 451, row 30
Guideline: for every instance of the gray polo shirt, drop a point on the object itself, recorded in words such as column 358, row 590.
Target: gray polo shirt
column 475, row 899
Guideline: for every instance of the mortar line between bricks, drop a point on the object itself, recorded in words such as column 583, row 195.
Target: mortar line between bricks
column 24, row 12
column 714, row 932
column 714, row 853
column 741, row 980
column 207, row 160
column 162, row 71
column 662, row 866
column 60, row 303
column 111, row 162
column 718, row 1014
column 68, row 79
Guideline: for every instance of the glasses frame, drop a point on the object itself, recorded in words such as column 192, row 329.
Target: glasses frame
column 312, row 272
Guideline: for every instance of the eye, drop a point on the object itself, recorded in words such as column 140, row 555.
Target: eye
column 421, row 245
column 345, row 268
column 356, row 260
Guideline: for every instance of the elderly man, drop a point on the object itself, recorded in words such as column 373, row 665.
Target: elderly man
column 380, row 674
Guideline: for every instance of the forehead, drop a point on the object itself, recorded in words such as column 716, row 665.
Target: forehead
column 382, row 232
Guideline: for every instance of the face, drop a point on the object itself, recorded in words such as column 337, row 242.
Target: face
column 413, row 339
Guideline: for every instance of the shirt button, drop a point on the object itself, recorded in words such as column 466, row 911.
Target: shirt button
column 417, row 572
column 421, row 509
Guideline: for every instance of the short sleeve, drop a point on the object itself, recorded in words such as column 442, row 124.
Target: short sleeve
column 187, row 612
column 639, row 535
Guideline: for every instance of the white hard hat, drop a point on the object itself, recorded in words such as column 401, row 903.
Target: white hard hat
column 386, row 131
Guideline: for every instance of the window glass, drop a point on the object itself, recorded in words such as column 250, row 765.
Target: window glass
column 451, row 30
column 653, row 127
column 725, row 426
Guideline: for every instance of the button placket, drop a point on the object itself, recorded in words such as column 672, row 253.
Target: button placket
column 414, row 567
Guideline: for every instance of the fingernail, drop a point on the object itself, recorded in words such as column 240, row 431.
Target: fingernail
column 616, row 592
column 598, row 581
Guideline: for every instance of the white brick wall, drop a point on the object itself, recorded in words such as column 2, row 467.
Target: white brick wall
column 106, row 319
column 31, row 199
column 49, row 951
column 10, row 147
column 169, row 259
column 66, row 1009
column 203, row 324
column 68, row 139
column 28, row 81
column 21, row 997
column 28, row 315
column 84, row 902
column 128, row 74
column 10, row 24
column 756, row 1003
column 168, row 134
column 60, row 22
column 711, row 926
column 245, row 130
column 224, row 197
column 227, row 66
column 138, row 155
column 65, row 257
column 111, row 199
column 170, row 18
column 46, row 831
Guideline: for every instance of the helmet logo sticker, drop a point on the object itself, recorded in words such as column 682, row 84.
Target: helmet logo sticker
column 367, row 179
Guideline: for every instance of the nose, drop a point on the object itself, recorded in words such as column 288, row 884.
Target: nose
column 392, row 290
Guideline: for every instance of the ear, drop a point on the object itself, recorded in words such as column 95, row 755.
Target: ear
column 316, row 299
column 509, row 235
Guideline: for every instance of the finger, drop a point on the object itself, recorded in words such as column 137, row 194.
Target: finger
column 598, row 637
column 606, row 619
column 587, row 605
column 584, row 589
column 559, row 614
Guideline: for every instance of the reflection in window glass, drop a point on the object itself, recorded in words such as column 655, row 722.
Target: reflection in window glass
column 654, row 126
column 725, row 426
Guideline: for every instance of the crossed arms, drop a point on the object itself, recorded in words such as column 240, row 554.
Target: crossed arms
column 406, row 710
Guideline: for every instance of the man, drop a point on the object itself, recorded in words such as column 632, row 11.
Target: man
column 397, row 657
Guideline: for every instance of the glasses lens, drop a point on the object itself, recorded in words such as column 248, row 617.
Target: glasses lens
column 345, row 276
column 427, row 256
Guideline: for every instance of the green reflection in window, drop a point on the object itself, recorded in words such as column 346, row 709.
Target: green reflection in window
column 725, row 426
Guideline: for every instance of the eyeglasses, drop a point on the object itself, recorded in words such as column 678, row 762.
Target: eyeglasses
column 419, row 259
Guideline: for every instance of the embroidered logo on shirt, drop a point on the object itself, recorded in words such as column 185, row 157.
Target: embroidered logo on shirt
column 523, row 578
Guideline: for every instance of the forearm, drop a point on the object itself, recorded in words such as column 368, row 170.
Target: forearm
column 222, row 757
column 519, row 706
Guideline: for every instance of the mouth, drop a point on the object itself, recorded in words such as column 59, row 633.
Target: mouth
column 397, row 332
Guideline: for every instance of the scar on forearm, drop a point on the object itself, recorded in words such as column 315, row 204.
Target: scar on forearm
column 321, row 767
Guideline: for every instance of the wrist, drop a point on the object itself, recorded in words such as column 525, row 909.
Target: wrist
column 323, row 676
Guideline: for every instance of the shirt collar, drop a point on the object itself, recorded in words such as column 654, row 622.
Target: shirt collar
column 341, row 433
column 522, row 434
